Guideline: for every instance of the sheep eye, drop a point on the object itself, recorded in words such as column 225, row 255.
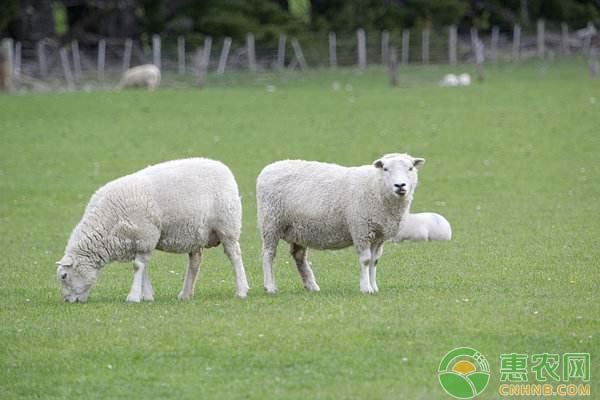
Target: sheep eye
column 63, row 276
column 411, row 168
column 385, row 169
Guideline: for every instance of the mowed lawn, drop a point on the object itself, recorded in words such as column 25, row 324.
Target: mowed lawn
column 513, row 163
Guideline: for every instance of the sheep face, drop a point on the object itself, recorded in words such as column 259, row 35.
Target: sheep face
column 399, row 173
column 76, row 278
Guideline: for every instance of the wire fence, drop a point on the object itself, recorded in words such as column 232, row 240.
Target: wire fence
column 50, row 65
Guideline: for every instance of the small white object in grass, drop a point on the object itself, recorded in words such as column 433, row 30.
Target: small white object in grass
column 336, row 86
column 464, row 79
column 27, row 300
column 171, row 272
column 261, row 335
column 404, row 359
column 579, row 317
column 449, row 80
column 271, row 88
column 110, row 366
column 536, row 312
column 466, row 300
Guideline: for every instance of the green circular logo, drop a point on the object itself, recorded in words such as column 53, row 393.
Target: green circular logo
column 464, row 373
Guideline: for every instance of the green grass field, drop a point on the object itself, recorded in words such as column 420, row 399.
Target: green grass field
column 513, row 163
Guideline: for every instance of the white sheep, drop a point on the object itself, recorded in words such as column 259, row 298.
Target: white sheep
column 422, row 227
column 327, row 206
column 147, row 75
column 449, row 80
column 464, row 79
column 180, row 206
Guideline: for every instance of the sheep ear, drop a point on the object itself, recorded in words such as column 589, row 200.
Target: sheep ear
column 66, row 261
column 378, row 164
column 417, row 162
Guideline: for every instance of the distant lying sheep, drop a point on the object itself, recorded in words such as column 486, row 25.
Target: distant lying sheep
column 451, row 80
column 327, row 206
column 180, row 206
column 423, row 227
column 464, row 79
column 147, row 75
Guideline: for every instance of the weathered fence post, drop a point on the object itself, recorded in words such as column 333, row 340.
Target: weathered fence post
column 280, row 52
column 362, row 48
column 474, row 41
column 494, row 43
column 385, row 47
column 18, row 59
column 76, row 59
column 564, row 39
column 479, row 58
column 6, row 65
column 516, row 46
column 425, row 46
column 298, row 53
column 127, row 54
column 201, row 64
column 393, row 67
column 224, row 55
column 587, row 40
column 405, row 46
column 101, row 58
column 64, row 60
column 452, row 36
column 180, row 55
column 593, row 62
column 41, row 55
column 251, row 52
column 156, row 50
column 541, row 38
column 332, row 50
column 206, row 51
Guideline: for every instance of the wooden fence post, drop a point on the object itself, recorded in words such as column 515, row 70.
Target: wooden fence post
column 156, row 50
column 516, row 46
column 76, row 59
column 201, row 64
column 332, row 50
column 474, row 41
column 41, row 55
column 452, row 37
column 280, row 52
column 593, row 62
column 385, row 47
column 251, row 52
column 425, row 46
column 180, row 55
column 405, row 46
column 479, row 58
column 101, row 58
column 588, row 39
column 6, row 65
column 64, row 60
column 564, row 39
column 541, row 38
column 298, row 53
column 206, row 50
column 494, row 43
column 224, row 55
column 18, row 59
column 393, row 67
column 362, row 48
column 127, row 54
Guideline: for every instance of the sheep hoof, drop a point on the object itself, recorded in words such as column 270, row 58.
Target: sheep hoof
column 271, row 290
column 367, row 289
column 312, row 287
column 133, row 299
column 184, row 296
column 242, row 294
column 148, row 298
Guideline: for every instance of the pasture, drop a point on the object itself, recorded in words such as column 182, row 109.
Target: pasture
column 513, row 163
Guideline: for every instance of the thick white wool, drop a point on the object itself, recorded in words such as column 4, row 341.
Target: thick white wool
column 143, row 75
column 179, row 206
column 327, row 206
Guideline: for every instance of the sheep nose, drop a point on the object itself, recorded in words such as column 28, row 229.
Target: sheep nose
column 400, row 186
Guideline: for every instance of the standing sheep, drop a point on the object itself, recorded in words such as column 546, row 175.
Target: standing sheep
column 143, row 75
column 180, row 206
column 327, row 206
column 423, row 227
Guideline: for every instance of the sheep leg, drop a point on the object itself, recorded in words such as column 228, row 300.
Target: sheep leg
column 147, row 290
column 269, row 252
column 300, row 253
column 187, row 292
column 364, row 258
column 376, row 253
column 233, row 252
column 139, row 266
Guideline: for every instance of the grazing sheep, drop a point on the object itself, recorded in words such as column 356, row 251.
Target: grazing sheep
column 143, row 75
column 423, row 227
column 327, row 206
column 180, row 206
column 464, row 79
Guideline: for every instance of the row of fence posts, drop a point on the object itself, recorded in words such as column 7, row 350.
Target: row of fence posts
column 388, row 54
